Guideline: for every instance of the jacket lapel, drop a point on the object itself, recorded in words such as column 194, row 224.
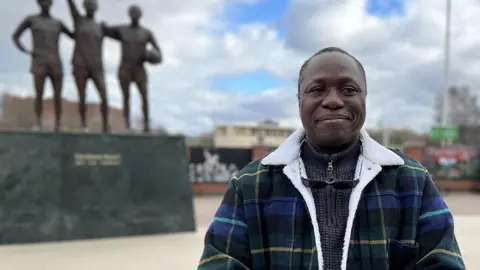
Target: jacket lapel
column 292, row 172
column 368, row 172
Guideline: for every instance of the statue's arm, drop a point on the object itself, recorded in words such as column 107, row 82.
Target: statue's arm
column 67, row 31
column 24, row 25
column 154, row 43
column 111, row 31
column 73, row 10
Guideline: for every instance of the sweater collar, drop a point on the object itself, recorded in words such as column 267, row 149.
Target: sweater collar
column 310, row 152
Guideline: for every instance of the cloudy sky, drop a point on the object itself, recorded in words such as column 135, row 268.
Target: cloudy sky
column 238, row 60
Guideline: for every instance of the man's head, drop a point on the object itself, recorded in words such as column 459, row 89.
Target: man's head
column 90, row 6
column 45, row 4
column 331, row 93
column 135, row 13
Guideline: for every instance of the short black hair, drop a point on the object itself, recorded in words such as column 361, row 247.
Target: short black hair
column 327, row 50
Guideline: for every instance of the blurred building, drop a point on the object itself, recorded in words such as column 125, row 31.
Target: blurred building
column 203, row 140
column 17, row 113
column 267, row 133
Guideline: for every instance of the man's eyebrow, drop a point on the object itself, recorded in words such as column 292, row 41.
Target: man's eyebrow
column 342, row 78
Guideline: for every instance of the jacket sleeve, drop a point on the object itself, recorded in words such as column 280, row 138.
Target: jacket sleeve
column 226, row 241
column 435, row 232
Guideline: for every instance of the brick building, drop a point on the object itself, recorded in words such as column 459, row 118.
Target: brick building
column 17, row 113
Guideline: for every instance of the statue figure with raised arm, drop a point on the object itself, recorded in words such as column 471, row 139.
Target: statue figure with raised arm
column 134, row 39
column 87, row 62
column 45, row 56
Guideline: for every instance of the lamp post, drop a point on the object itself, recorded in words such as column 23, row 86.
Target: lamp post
column 386, row 132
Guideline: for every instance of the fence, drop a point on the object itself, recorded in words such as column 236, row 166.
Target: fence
column 452, row 168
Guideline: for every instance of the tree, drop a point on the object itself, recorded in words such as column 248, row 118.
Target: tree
column 463, row 107
column 397, row 137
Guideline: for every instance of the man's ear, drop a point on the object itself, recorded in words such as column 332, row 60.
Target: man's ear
column 298, row 99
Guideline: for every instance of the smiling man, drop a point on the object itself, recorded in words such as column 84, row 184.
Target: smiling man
column 330, row 197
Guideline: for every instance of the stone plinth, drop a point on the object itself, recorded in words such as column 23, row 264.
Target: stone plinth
column 63, row 186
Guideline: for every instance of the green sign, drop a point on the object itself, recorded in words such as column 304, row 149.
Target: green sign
column 444, row 133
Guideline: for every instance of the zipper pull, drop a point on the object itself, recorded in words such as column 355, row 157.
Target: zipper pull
column 330, row 170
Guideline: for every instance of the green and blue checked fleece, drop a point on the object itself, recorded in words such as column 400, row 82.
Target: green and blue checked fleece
column 263, row 223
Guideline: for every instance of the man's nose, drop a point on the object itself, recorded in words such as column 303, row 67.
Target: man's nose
column 333, row 100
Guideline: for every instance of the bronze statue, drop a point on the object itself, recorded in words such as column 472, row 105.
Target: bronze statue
column 45, row 56
column 87, row 58
column 134, row 39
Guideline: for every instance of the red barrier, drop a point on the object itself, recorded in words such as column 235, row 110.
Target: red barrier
column 209, row 189
column 458, row 185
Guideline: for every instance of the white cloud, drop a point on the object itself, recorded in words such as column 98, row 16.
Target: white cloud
column 402, row 55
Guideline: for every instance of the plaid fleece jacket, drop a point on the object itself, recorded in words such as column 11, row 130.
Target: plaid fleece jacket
column 264, row 222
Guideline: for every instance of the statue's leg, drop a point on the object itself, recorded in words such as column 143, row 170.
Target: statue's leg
column 125, row 78
column 141, row 80
column 39, row 82
column 99, row 81
column 81, row 76
column 56, row 77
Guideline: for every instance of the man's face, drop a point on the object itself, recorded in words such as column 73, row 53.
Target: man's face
column 332, row 100
column 90, row 6
column 44, row 4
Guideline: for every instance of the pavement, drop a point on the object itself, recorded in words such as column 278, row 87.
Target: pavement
column 182, row 251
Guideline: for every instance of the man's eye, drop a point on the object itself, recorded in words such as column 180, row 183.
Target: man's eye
column 349, row 89
column 316, row 89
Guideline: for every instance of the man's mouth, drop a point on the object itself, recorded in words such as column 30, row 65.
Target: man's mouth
column 332, row 118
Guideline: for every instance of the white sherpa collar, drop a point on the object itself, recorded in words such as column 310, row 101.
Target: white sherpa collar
column 289, row 150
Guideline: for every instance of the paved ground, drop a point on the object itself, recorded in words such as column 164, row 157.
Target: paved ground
column 181, row 251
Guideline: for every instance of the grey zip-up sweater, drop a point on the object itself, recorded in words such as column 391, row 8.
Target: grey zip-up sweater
column 331, row 204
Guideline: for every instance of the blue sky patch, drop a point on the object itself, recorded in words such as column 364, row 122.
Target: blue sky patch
column 250, row 82
column 267, row 11
column 385, row 8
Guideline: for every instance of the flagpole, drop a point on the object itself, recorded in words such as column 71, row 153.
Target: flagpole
column 446, row 75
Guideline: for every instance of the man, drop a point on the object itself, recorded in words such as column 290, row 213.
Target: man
column 88, row 59
column 45, row 55
column 330, row 197
column 134, row 39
